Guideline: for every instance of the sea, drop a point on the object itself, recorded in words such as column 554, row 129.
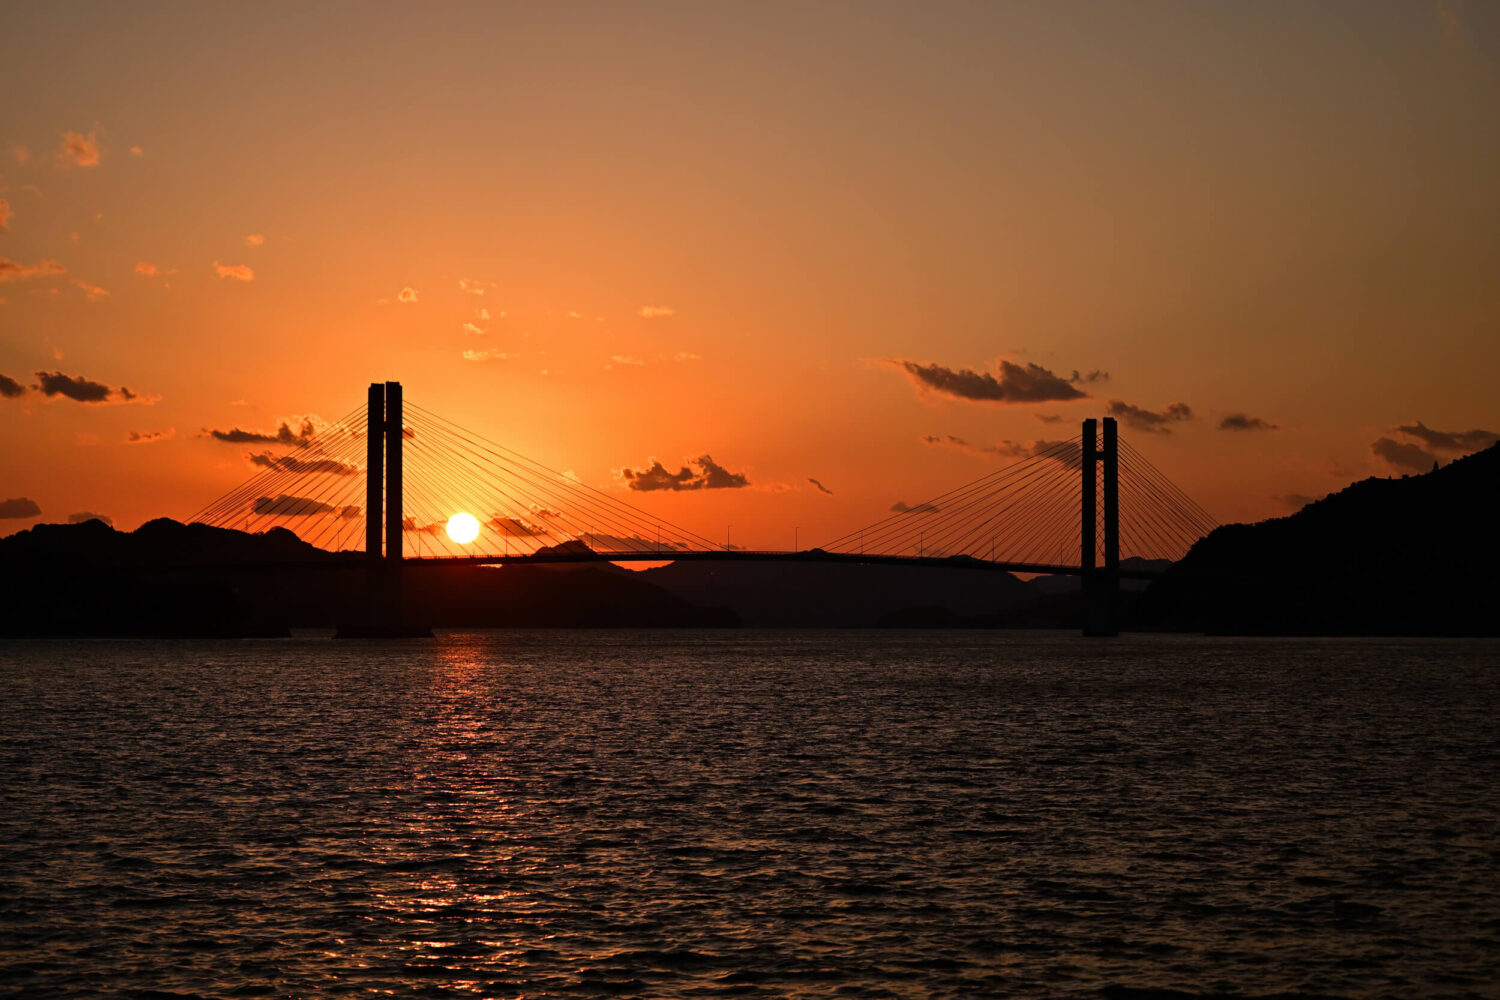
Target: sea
column 746, row 813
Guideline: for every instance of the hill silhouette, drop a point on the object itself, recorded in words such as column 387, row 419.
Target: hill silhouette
column 1409, row 556
column 172, row 579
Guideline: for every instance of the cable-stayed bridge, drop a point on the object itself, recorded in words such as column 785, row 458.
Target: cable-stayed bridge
column 387, row 477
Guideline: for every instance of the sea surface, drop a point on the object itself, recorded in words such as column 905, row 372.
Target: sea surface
column 750, row 814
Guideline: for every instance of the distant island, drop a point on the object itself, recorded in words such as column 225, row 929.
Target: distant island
column 1408, row 556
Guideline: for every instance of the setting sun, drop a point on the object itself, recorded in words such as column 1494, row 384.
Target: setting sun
column 463, row 528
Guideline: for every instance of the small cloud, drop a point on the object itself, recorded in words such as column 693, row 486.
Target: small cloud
column 86, row 515
column 702, row 473
column 136, row 150
column 512, row 528
column 1048, row 418
column 10, row 388
column 78, row 150
column 624, row 359
column 407, row 294
column 84, row 390
column 150, row 437
column 922, row 508
column 490, row 355
column 682, row 356
column 471, row 328
column 657, row 312
column 1029, row 383
column 474, row 287
column 146, row 270
column 1004, row 449
column 44, row 268
column 483, row 313
column 91, row 292
column 1464, row 441
column 285, row 434
column 239, row 272
column 254, row 240
column 290, row 463
column 20, row 154
column 5, row 215
column 820, row 486
column 1148, row 420
column 19, row 507
column 575, row 315
column 1242, row 422
column 1403, row 455
column 285, row 505
column 1295, row 501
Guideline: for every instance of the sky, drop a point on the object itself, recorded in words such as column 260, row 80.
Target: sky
column 888, row 247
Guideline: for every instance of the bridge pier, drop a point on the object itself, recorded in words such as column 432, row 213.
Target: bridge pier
column 1101, row 584
column 385, row 615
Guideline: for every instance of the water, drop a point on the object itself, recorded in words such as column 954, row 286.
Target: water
column 750, row 814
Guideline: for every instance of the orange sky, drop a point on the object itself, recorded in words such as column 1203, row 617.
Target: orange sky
column 715, row 229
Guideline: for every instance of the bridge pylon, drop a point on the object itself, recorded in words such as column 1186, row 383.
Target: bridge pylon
column 1101, row 583
column 385, row 615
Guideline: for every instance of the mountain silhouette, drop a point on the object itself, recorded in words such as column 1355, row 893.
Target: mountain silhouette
column 1410, row 556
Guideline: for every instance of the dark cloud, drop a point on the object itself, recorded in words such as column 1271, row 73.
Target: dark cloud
column 1295, row 501
column 19, row 507
column 1464, row 441
column 702, row 473
column 820, row 486
column 290, row 463
column 921, row 508
column 149, row 437
column 1148, row 420
column 11, row 271
column 282, row 435
column 410, row 524
column 10, row 388
column 285, row 505
column 1048, row 418
column 512, row 527
column 1243, row 422
column 83, row 516
column 1403, row 454
column 1068, row 453
column 80, row 389
column 1027, row 383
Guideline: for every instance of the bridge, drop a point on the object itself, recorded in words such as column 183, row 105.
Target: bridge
column 389, row 475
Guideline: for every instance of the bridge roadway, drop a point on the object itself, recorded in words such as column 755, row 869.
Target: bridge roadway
column 358, row 560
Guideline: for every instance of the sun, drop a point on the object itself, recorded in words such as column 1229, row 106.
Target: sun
column 463, row 528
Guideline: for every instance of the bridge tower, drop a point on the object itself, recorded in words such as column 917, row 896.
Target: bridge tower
column 384, row 517
column 1101, row 584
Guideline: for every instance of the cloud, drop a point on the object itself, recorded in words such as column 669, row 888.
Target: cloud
column 82, row 390
column 490, row 355
column 239, row 272
column 1403, row 455
column 136, row 150
column 820, row 486
column 290, row 463
column 150, row 437
column 86, row 515
column 474, row 287
column 1242, row 422
column 282, row 435
column 146, row 270
column 512, row 528
column 708, row 475
column 1048, row 418
column 471, row 328
column 1464, row 441
column 1005, row 449
column 682, row 356
column 1295, row 501
column 1027, row 383
column 408, row 294
column 254, row 240
column 1147, row 420
column 10, row 388
column 44, row 268
column 482, row 313
column 624, row 359
column 286, row 505
column 657, row 312
column 410, row 524
column 922, row 508
column 91, row 292
column 5, row 215
column 78, row 150
column 19, row 507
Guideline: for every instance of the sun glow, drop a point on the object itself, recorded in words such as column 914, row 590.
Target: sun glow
column 463, row 528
